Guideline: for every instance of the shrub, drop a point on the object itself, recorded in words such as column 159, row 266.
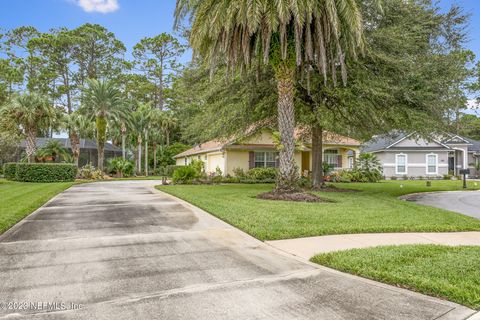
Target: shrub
column 168, row 170
column 238, row 172
column 89, row 172
column 9, row 170
column 198, row 165
column 262, row 174
column 120, row 167
column 45, row 172
column 184, row 174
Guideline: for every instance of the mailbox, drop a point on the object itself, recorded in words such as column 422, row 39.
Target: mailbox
column 465, row 171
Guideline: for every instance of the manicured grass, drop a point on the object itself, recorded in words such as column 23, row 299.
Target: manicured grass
column 18, row 199
column 451, row 273
column 375, row 209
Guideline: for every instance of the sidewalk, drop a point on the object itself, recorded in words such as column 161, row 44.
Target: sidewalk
column 308, row 247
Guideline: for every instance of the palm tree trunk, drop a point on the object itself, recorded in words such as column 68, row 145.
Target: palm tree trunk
column 75, row 145
column 154, row 158
column 101, row 123
column 31, row 145
column 287, row 174
column 123, row 146
column 139, row 149
column 317, row 156
column 146, row 152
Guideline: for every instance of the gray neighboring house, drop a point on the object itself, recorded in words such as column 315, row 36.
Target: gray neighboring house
column 88, row 149
column 407, row 154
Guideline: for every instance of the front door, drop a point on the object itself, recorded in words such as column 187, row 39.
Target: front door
column 451, row 164
column 305, row 161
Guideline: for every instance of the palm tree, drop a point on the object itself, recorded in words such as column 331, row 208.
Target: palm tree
column 53, row 149
column 168, row 123
column 287, row 35
column 30, row 113
column 140, row 120
column 103, row 101
column 78, row 126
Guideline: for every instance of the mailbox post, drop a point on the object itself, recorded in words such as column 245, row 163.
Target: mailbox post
column 465, row 172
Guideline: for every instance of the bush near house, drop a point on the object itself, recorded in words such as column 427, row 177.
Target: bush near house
column 9, row 170
column 262, row 174
column 45, row 172
column 185, row 174
column 89, row 172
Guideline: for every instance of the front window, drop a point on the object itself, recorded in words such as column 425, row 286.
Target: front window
column 432, row 163
column 265, row 159
column 185, row 161
column 331, row 157
column 401, row 166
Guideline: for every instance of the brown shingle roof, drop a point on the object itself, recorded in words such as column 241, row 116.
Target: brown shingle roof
column 300, row 133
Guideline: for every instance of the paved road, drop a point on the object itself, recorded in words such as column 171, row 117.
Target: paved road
column 464, row 202
column 121, row 250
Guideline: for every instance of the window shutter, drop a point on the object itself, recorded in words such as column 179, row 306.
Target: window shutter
column 339, row 161
column 277, row 160
column 251, row 160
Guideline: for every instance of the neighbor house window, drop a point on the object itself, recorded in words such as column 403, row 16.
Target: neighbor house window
column 401, row 164
column 265, row 159
column 331, row 157
column 185, row 160
column 432, row 163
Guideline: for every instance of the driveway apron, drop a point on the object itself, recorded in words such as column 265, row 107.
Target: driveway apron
column 123, row 250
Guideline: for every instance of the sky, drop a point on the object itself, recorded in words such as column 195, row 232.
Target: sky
column 131, row 20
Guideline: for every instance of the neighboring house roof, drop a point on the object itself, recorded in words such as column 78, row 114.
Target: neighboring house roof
column 475, row 145
column 389, row 141
column 65, row 142
column 217, row 145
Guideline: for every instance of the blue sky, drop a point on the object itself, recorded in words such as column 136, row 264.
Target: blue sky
column 131, row 20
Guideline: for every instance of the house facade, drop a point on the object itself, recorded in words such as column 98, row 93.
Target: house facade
column 259, row 150
column 409, row 155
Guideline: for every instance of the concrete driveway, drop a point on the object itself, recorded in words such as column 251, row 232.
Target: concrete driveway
column 464, row 202
column 122, row 250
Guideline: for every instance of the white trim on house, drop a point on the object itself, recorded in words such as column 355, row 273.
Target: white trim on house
column 427, row 164
column 405, row 163
column 398, row 141
column 416, row 165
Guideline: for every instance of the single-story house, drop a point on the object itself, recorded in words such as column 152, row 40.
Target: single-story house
column 408, row 154
column 88, row 149
column 258, row 149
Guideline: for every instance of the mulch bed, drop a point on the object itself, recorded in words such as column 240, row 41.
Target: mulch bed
column 335, row 189
column 296, row 196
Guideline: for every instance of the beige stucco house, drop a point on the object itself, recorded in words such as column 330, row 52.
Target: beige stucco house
column 410, row 155
column 259, row 150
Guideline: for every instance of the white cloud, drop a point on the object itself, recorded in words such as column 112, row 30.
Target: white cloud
column 472, row 104
column 103, row 6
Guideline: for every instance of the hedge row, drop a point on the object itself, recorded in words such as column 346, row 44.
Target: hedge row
column 9, row 170
column 40, row 172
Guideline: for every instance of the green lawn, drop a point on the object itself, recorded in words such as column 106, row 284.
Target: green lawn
column 451, row 273
column 375, row 209
column 18, row 199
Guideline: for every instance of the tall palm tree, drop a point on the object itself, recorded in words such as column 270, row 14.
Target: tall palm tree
column 288, row 35
column 168, row 123
column 30, row 113
column 102, row 100
column 140, row 119
column 78, row 126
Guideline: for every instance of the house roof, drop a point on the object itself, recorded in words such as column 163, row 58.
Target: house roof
column 300, row 133
column 388, row 141
column 65, row 142
column 475, row 145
